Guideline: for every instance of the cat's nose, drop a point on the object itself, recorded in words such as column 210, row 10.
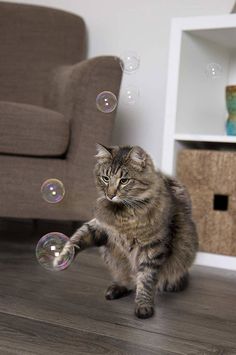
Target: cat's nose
column 111, row 196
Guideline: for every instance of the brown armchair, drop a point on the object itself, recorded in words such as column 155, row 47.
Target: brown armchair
column 49, row 121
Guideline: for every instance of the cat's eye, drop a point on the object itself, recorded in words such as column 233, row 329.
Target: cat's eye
column 124, row 181
column 105, row 178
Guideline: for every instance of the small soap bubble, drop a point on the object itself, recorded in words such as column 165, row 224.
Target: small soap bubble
column 106, row 101
column 51, row 252
column 130, row 62
column 131, row 95
column 52, row 190
column 213, row 70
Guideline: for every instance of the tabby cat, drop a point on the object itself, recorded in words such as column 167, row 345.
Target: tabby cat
column 143, row 226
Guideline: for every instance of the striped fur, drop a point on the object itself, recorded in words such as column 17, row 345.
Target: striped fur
column 142, row 225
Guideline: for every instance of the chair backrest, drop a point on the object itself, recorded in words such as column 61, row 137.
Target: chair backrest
column 33, row 41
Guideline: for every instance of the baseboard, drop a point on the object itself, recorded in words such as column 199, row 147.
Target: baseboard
column 216, row 260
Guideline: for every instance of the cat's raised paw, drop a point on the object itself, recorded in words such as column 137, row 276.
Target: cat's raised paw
column 116, row 291
column 144, row 311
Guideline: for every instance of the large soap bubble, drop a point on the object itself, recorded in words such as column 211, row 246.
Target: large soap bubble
column 54, row 251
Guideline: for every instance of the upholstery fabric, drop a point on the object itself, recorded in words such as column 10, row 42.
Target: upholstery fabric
column 33, row 41
column 73, row 92
column 32, row 131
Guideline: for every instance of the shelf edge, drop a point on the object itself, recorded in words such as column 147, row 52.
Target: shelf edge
column 205, row 138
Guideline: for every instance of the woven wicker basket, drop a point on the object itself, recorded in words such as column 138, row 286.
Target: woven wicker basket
column 210, row 177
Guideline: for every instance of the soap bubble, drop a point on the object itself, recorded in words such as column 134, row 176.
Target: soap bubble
column 53, row 190
column 129, row 62
column 130, row 95
column 106, row 101
column 48, row 252
column 213, row 70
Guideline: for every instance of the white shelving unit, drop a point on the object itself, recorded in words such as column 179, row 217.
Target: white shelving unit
column 196, row 113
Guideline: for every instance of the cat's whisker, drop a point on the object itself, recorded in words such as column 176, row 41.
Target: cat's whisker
column 130, row 203
column 136, row 200
column 141, row 203
column 140, row 200
column 134, row 203
column 126, row 203
column 101, row 198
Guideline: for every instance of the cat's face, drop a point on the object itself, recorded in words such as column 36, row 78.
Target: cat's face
column 124, row 175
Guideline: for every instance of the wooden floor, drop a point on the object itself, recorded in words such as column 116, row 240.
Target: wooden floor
column 66, row 313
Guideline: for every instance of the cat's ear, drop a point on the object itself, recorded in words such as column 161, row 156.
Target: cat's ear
column 138, row 157
column 103, row 152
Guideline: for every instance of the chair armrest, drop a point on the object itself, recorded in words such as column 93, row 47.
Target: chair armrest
column 73, row 92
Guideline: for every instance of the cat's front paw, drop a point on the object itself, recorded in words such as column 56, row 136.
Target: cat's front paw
column 144, row 311
column 59, row 259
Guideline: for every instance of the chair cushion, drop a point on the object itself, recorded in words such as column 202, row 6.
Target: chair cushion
column 32, row 131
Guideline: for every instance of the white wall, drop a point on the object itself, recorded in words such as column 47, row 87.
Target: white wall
column 140, row 25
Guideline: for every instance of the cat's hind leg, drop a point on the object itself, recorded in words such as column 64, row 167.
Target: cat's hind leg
column 115, row 291
column 120, row 270
column 175, row 286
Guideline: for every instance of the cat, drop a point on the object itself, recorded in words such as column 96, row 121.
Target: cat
column 142, row 224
